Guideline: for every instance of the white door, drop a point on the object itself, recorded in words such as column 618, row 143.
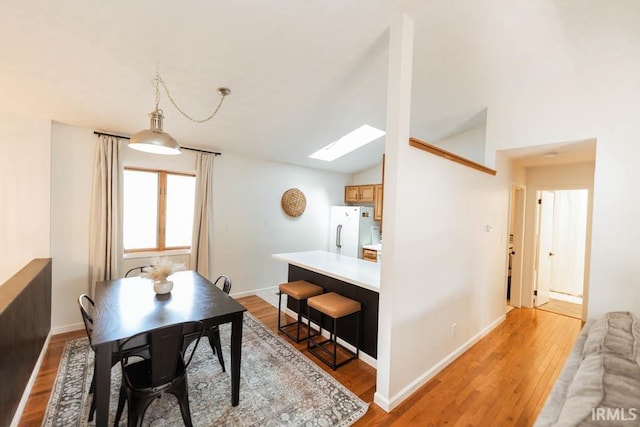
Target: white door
column 545, row 247
column 569, row 241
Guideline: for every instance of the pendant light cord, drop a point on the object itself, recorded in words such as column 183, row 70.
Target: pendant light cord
column 159, row 81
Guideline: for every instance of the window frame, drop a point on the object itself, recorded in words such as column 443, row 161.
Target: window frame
column 161, row 209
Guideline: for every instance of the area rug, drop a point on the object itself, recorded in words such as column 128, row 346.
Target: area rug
column 279, row 387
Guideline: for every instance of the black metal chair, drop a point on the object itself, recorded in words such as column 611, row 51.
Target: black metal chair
column 136, row 271
column 164, row 372
column 134, row 348
column 213, row 333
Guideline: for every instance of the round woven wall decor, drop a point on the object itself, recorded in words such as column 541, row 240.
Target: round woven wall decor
column 293, row 202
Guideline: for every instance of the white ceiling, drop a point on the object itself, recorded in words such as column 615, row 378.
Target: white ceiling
column 559, row 153
column 302, row 73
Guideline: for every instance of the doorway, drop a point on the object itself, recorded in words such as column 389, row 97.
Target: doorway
column 561, row 236
column 515, row 246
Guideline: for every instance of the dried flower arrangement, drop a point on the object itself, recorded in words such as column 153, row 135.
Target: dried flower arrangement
column 161, row 268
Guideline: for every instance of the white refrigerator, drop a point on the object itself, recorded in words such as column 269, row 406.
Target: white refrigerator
column 350, row 228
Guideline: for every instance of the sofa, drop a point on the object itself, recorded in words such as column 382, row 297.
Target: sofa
column 600, row 382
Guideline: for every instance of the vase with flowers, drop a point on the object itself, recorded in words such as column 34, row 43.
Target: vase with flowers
column 159, row 270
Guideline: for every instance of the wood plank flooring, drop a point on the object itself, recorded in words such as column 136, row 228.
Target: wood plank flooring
column 503, row 380
column 563, row 307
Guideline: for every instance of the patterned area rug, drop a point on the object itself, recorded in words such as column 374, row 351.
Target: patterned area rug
column 279, row 387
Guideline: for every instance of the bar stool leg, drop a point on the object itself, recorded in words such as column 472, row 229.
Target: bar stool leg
column 299, row 320
column 335, row 343
column 308, row 327
column 358, row 335
column 279, row 307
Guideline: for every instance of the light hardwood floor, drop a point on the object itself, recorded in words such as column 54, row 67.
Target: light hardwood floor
column 502, row 380
column 563, row 307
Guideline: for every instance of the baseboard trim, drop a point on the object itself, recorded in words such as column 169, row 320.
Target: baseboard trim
column 390, row 404
column 32, row 379
column 67, row 328
column 382, row 402
column 253, row 292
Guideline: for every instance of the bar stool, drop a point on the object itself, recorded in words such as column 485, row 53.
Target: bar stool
column 335, row 306
column 299, row 290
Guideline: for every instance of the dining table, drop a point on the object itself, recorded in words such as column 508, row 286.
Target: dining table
column 128, row 306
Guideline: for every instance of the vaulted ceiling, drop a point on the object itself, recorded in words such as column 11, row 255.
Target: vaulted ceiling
column 302, row 73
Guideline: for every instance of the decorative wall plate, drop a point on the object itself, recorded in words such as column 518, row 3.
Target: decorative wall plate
column 293, row 202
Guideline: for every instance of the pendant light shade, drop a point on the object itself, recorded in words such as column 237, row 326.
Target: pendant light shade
column 154, row 140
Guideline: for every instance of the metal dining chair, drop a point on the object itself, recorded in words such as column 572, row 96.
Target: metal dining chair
column 164, row 372
column 134, row 348
column 213, row 333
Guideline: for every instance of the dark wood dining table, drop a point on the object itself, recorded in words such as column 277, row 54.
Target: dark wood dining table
column 125, row 307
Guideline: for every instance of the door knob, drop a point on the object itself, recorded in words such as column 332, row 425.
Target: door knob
column 551, row 254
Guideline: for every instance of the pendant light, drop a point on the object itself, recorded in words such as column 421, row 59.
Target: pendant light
column 155, row 140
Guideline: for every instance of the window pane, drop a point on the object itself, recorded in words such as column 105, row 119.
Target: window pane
column 181, row 191
column 140, row 209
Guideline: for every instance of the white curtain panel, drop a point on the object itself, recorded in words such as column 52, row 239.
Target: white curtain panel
column 569, row 241
column 203, row 211
column 106, row 216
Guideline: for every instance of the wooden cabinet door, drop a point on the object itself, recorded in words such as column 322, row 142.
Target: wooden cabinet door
column 351, row 193
column 377, row 203
column 367, row 193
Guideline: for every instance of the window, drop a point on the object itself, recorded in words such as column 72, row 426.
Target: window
column 157, row 210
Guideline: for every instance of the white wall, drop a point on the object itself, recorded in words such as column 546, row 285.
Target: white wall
column 25, row 192
column 368, row 176
column 559, row 177
column 249, row 224
column 447, row 268
column 592, row 103
column 469, row 144
column 445, row 256
column 73, row 150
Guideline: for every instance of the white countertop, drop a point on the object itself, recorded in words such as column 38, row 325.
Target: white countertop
column 356, row 271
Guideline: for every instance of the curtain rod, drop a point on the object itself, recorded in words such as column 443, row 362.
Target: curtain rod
column 215, row 153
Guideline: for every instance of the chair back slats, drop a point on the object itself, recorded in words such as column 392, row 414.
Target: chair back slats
column 165, row 372
column 165, row 345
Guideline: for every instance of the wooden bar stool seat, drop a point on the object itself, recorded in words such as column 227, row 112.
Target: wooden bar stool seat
column 335, row 306
column 300, row 290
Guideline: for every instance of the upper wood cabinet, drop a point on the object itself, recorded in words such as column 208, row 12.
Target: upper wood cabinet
column 359, row 193
column 377, row 202
column 351, row 193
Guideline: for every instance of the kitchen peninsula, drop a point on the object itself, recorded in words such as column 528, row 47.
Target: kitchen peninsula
column 352, row 277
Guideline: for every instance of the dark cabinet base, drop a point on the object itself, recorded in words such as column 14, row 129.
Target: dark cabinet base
column 347, row 325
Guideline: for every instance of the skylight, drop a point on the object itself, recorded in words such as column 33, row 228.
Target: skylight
column 351, row 141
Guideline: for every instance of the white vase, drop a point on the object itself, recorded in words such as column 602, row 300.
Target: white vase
column 162, row 286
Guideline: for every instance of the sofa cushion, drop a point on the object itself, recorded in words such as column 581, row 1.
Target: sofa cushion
column 603, row 380
column 603, row 371
column 613, row 333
